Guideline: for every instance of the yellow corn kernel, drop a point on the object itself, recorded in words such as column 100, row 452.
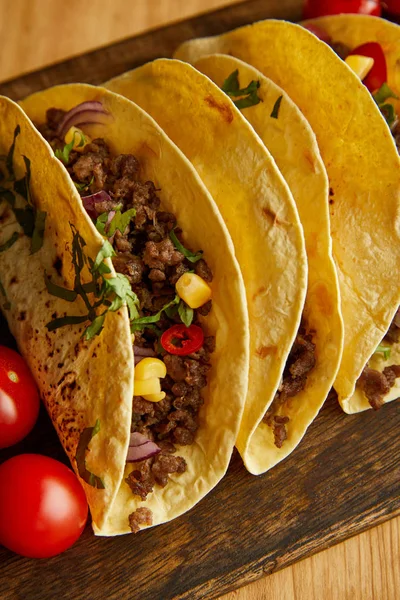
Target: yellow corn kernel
column 147, row 387
column 155, row 397
column 361, row 65
column 193, row 290
column 149, row 367
column 80, row 139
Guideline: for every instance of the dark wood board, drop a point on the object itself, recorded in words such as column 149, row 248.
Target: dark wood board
column 342, row 479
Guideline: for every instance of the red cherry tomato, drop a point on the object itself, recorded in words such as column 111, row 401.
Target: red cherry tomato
column 43, row 508
column 378, row 74
column 320, row 8
column 19, row 398
column 182, row 340
column 393, row 6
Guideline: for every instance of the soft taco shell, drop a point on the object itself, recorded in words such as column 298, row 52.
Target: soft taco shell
column 261, row 216
column 363, row 169
column 293, row 145
column 182, row 192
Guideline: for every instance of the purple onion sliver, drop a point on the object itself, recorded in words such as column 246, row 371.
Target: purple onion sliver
column 138, row 439
column 89, row 202
column 139, row 453
column 110, row 217
column 92, row 106
column 86, row 117
column 139, row 351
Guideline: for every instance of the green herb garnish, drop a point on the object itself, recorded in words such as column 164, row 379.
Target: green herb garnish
column 142, row 322
column 385, row 350
column 9, row 242
column 30, row 218
column 185, row 313
column 81, row 187
column 109, row 294
column 275, row 110
column 192, row 257
column 84, row 440
column 387, row 110
column 248, row 96
column 119, row 221
column 63, row 154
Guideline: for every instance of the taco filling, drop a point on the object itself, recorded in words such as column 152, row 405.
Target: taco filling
column 300, row 362
column 171, row 286
column 376, row 384
column 369, row 63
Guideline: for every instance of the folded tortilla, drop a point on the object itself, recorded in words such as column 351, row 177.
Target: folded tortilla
column 91, row 383
column 363, row 169
column 259, row 210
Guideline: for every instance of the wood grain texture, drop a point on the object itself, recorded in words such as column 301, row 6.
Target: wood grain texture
column 248, row 526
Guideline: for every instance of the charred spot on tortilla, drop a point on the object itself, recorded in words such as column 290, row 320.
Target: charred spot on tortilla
column 13, row 279
column 264, row 351
column 224, row 109
column 58, row 264
column 22, row 316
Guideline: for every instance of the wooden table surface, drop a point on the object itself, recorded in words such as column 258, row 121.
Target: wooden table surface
column 35, row 33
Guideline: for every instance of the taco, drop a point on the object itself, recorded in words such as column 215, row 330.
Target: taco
column 287, row 361
column 371, row 47
column 364, row 177
column 107, row 265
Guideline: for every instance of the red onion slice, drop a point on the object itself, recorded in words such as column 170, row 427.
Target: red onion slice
column 89, row 203
column 83, row 114
column 141, row 448
column 110, row 217
column 139, row 351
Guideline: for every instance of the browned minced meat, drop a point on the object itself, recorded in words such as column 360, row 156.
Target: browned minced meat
column 341, row 49
column 300, row 362
column 393, row 333
column 141, row 516
column 376, row 385
column 152, row 264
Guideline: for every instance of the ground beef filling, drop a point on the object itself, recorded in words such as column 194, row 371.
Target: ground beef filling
column 376, row 384
column 146, row 255
column 300, row 362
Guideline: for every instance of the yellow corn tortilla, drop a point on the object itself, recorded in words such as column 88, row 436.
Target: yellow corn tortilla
column 105, row 367
column 293, row 145
column 261, row 216
column 363, row 169
column 354, row 30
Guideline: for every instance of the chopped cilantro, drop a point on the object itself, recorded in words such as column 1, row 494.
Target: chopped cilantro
column 275, row 111
column 247, row 96
column 109, row 293
column 81, row 187
column 9, row 242
column 192, row 257
column 63, row 155
column 185, row 313
column 84, row 440
column 119, row 221
column 141, row 322
column 380, row 96
column 385, row 350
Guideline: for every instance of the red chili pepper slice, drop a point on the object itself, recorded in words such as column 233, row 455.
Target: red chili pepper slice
column 320, row 8
column 378, row 74
column 182, row 340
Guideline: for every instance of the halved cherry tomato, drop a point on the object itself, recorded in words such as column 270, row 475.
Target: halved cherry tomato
column 43, row 507
column 393, row 6
column 19, row 398
column 378, row 74
column 182, row 340
column 320, row 8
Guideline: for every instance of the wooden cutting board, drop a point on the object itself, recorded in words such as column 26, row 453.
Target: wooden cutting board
column 341, row 480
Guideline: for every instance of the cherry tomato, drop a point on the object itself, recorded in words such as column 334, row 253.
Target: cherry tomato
column 19, row 398
column 320, row 8
column 182, row 340
column 393, row 6
column 43, row 508
column 378, row 74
